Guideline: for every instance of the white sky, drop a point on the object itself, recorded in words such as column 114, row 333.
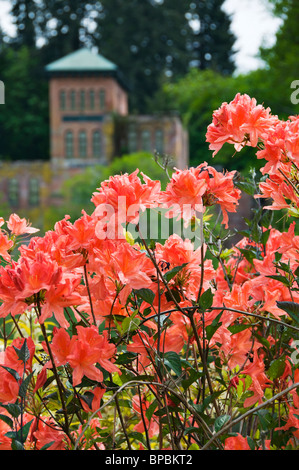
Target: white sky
column 252, row 23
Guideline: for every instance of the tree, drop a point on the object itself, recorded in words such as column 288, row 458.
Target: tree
column 213, row 41
column 151, row 40
column 146, row 39
column 24, row 118
column 282, row 59
column 25, row 16
column 65, row 27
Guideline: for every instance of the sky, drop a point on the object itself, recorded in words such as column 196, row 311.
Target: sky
column 252, row 23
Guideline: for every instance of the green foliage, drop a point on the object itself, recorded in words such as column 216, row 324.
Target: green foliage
column 282, row 59
column 195, row 96
column 147, row 54
column 24, row 118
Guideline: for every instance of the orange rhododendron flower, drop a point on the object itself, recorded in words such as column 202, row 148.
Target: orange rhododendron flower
column 5, row 245
column 236, row 443
column 190, row 191
column 83, row 351
column 48, row 434
column 19, row 226
column 240, row 122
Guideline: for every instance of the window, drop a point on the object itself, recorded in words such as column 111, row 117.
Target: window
column 159, row 137
column 62, row 100
column 97, row 144
column 34, row 192
column 146, row 140
column 73, row 100
column 91, row 99
column 82, row 144
column 69, row 144
column 82, row 100
column 102, row 99
column 132, row 139
column 13, row 192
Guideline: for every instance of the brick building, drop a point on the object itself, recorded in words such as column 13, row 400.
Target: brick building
column 89, row 116
column 90, row 124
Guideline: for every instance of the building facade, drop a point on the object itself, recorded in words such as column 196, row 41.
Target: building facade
column 90, row 124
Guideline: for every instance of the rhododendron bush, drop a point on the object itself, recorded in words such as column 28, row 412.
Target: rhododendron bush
column 115, row 338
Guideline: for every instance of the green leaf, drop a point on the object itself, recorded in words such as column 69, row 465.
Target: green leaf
column 138, row 437
column 21, row 434
column 152, row 407
column 206, row 300
column 221, row 421
column 163, row 411
column 125, row 358
column 191, row 430
column 277, row 368
column 130, row 324
column 16, row 445
column 13, row 372
column 23, row 353
column 292, row 309
column 211, row 329
column 146, row 294
column 48, row 445
column 280, row 278
column 234, row 329
column 13, row 409
column 251, row 443
column 193, row 375
column 246, row 186
column 7, row 420
column 268, row 420
column 173, row 361
column 207, row 401
column 250, row 255
column 170, row 274
column 24, row 386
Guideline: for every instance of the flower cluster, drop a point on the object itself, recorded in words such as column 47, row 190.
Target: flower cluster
column 243, row 122
column 114, row 341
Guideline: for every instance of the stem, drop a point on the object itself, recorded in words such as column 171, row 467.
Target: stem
column 249, row 413
column 122, row 423
column 59, row 384
column 89, row 295
column 204, row 364
column 255, row 315
column 132, row 383
column 148, row 443
column 289, row 181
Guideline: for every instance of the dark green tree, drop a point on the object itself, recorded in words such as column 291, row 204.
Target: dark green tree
column 65, row 27
column 24, row 13
column 213, row 40
column 151, row 40
column 24, row 125
column 147, row 40
column 282, row 59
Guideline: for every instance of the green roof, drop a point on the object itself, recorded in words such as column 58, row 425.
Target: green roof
column 82, row 60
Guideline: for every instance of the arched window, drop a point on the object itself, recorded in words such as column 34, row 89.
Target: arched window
column 69, row 144
column 62, row 100
column 34, row 191
column 132, row 139
column 146, row 140
column 97, row 144
column 91, row 99
column 82, row 144
column 82, row 100
column 159, row 141
column 73, row 100
column 13, row 192
column 102, row 99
